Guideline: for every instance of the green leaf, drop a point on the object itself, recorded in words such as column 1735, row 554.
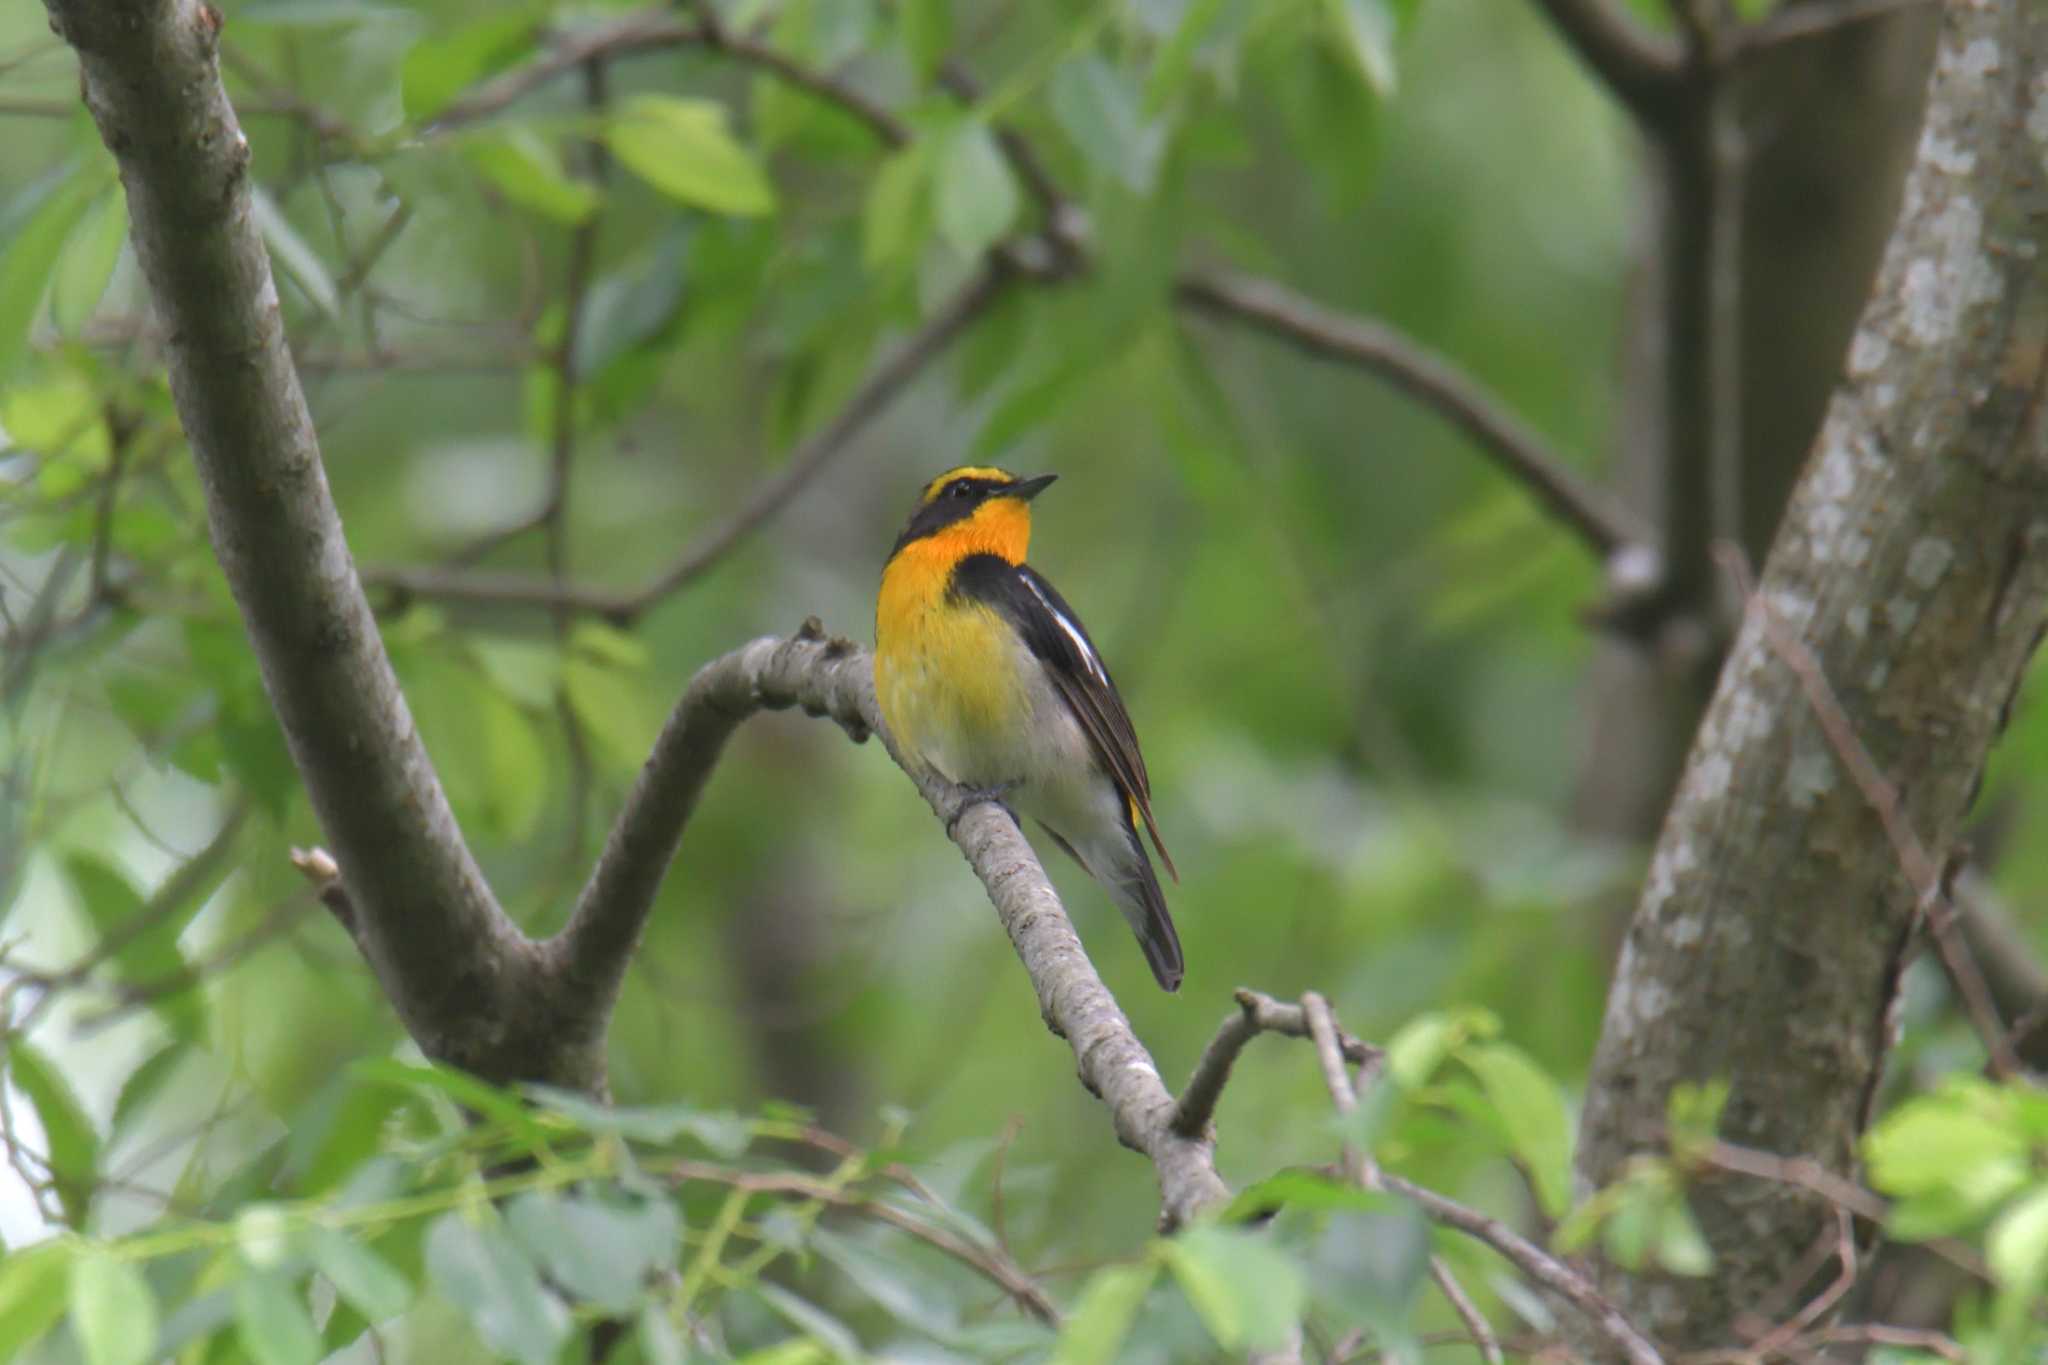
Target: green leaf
column 271, row 1321
column 289, row 250
column 811, row 1320
column 88, row 262
column 1681, row 1247
column 1102, row 114
column 494, row 763
column 32, row 1293
column 1693, row 1115
column 1247, row 1291
column 609, row 645
column 976, row 194
column 1303, row 1190
column 882, row 1281
column 1094, row 1332
column 2016, row 1248
column 73, row 1145
column 1176, row 60
column 528, row 170
column 600, row 1252
column 113, row 1312
column 898, row 201
column 927, row 34
column 358, row 1274
column 1532, row 1110
column 480, row 1270
column 629, row 308
column 464, row 1089
column 1425, row 1042
column 660, row 1343
column 683, row 148
column 724, row 1134
column 1959, row 1140
column 152, row 954
column 615, row 707
column 1368, row 28
column 439, row 69
column 30, row 255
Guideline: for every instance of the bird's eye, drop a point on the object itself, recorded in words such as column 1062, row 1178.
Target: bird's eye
column 959, row 488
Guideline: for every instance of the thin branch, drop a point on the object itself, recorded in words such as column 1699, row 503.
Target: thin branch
column 1805, row 1173
column 883, row 384
column 1533, row 1261
column 1519, row 451
column 992, row 1263
column 1255, row 1014
column 647, row 31
column 2015, row 978
column 1928, row 880
column 653, row 30
column 1467, row 1311
column 834, row 678
column 1641, row 68
column 435, row 934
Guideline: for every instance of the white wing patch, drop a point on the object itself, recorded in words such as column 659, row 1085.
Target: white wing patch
column 1073, row 633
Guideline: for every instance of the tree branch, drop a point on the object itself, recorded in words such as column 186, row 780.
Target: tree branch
column 888, row 379
column 1429, row 379
column 1641, row 68
column 834, row 678
column 1256, row 1014
column 446, row 953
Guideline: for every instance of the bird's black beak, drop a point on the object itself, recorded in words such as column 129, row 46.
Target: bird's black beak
column 1024, row 490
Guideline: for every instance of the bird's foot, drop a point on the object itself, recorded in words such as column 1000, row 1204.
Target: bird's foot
column 995, row 794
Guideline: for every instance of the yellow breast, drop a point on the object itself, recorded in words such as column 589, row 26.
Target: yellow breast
column 945, row 670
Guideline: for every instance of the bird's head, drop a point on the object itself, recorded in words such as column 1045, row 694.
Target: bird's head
column 975, row 509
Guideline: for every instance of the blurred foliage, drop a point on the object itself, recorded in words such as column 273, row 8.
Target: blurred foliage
column 1350, row 646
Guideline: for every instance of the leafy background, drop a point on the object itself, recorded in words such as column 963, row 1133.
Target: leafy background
column 1352, row 648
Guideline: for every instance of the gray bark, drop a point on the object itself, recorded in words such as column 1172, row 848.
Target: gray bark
column 1913, row 563
column 450, row 960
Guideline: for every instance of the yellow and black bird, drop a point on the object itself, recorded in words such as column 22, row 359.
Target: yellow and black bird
column 985, row 674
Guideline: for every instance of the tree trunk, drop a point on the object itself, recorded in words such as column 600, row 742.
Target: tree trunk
column 1828, row 124
column 1913, row 563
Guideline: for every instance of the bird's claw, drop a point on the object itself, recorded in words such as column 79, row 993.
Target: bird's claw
column 996, row 794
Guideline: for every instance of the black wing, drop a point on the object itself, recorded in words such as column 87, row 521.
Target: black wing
column 1056, row 637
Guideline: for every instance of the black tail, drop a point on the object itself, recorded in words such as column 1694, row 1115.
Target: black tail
column 1144, row 905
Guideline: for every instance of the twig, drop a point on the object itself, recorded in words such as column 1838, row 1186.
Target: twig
column 993, row 1264
column 1430, row 379
column 1538, row 1264
column 1807, row 1174
column 1359, row 1166
column 1255, row 1014
column 1641, row 68
column 1467, row 1311
column 646, row 31
column 1844, row 1253
column 1928, row 881
column 881, row 387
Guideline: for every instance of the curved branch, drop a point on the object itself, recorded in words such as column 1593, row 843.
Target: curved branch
column 1642, row 69
column 830, row 677
column 431, row 928
column 1429, row 379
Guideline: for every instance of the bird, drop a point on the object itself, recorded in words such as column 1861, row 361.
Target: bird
column 986, row 676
